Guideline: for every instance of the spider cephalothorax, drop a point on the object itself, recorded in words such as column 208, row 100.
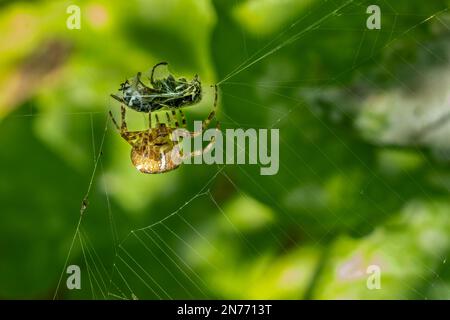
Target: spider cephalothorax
column 152, row 149
column 165, row 93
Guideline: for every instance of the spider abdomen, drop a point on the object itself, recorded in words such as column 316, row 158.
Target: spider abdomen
column 153, row 160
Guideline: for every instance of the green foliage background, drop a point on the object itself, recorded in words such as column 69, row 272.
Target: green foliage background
column 364, row 173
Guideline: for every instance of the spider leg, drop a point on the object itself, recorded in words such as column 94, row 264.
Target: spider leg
column 202, row 151
column 169, row 120
column 114, row 121
column 212, row 114
column 206, row 149
column 149, row 120
column 209, row 146
column 174, row 117
column 183, row 117
column 157, row 119
column 123, row 123
column 152, row 81
column 130, row 137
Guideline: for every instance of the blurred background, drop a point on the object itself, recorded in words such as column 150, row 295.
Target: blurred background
column 364, row 178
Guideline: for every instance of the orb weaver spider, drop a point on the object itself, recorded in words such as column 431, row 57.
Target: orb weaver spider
column 166, row 93
column 152, row 149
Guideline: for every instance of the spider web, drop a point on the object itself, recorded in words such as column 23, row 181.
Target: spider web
column 131, row 275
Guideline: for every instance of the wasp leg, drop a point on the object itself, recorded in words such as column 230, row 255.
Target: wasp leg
column 138, row 80
column 152, row 81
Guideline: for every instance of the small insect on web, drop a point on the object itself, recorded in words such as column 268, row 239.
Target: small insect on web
column 166, row 93
column 157, row 149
